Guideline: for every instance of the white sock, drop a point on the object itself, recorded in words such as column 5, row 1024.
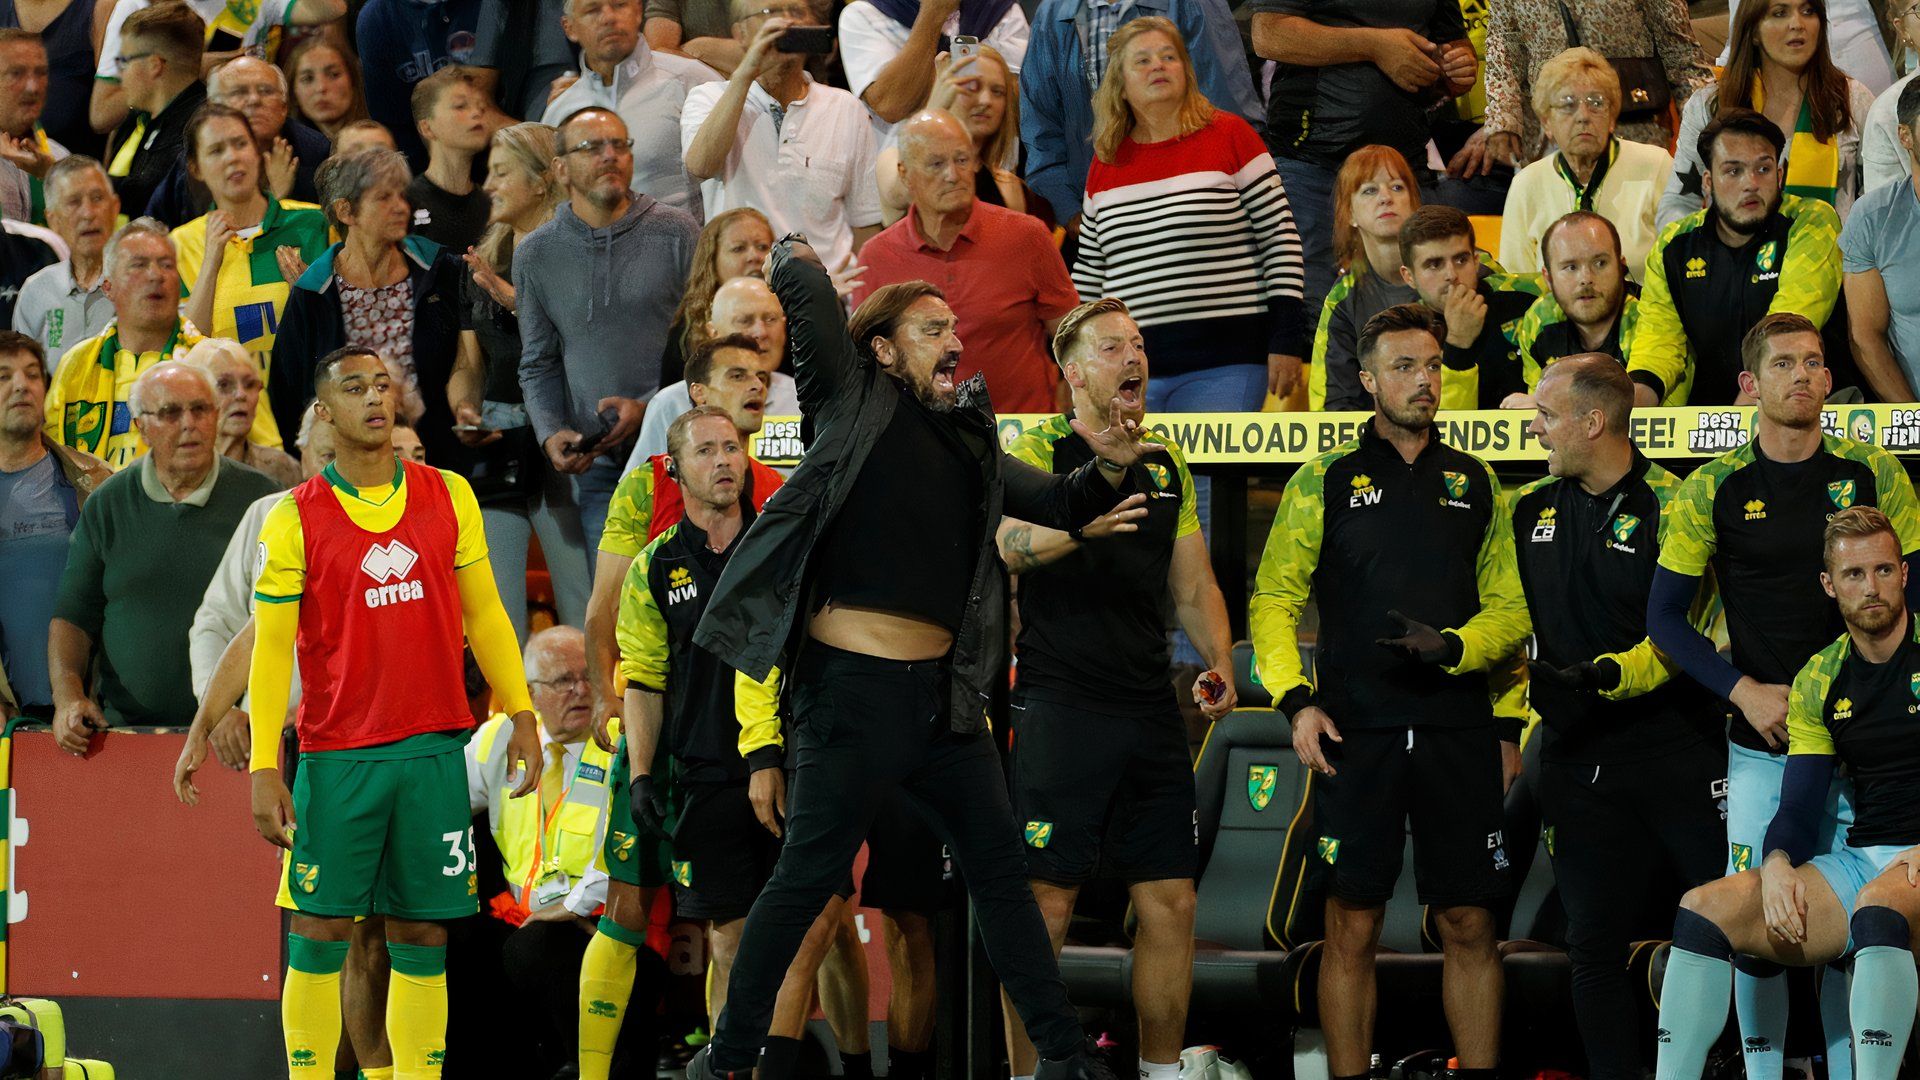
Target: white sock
column 1029, row 1076
column 1153, row 1070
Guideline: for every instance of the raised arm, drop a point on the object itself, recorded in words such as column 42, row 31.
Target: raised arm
column 824, row 358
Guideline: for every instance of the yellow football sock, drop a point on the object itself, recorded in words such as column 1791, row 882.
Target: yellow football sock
column 417, row 1010
column 606, row 982
column 310, row 1002
column 381, row 1072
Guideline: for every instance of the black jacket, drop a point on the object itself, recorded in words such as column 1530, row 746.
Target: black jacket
column 314, row 325
column 758, row 610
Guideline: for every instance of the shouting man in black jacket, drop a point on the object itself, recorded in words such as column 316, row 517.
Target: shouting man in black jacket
column 874, row 574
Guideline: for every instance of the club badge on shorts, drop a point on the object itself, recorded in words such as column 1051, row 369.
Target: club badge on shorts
column 1039, row 833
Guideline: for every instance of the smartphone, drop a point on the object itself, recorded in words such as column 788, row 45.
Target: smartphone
column 590, row 441
column 805, row 39
column 965, row 45
column 480, row 428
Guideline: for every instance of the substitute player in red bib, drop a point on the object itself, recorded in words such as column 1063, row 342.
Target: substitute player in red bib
column 375, row 574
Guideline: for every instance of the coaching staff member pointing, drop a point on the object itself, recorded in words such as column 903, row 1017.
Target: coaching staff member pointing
column 1632, row 775
column 1400, row 726
column 876, row 564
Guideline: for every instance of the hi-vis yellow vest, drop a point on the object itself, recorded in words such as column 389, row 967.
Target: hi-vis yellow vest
column 574, row 836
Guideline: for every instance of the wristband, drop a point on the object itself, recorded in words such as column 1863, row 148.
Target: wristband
column 1076, row 534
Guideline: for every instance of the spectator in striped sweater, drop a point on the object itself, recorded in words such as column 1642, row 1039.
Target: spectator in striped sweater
column 1186, row 220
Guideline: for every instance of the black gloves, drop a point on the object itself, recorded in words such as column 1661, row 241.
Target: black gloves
column 1418, row 641
column 647, row 805
column 1587, row 676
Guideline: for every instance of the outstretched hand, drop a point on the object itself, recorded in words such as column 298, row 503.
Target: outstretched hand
column 1585, row 677
column 1119, row 443
column 1415, row 641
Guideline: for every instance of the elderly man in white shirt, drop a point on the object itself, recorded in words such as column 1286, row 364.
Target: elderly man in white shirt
column 770, row 137
column 888, row 48
column 647, row 89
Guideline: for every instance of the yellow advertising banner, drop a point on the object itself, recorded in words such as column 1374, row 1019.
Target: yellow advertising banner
column 1492, row 434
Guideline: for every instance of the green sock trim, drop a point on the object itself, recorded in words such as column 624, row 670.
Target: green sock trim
column 419, row 961
column 621, row 934
column 316, row 957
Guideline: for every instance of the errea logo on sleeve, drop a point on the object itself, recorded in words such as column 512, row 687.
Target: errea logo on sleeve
column 389, row 564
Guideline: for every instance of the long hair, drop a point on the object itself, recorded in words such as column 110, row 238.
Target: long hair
column 1823, row 83
column 1113, row 118
column 1350, row 253
column 529, row 147
column 1003, row 150
column 290, row 63
column 207, row 113
column 704, row 280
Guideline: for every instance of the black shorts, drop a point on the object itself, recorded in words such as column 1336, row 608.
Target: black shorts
column 1443, row 784
column 908, row 868
column 1089, row 781
column 722, row 855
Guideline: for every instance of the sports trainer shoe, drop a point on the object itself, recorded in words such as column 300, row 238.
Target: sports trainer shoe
column 701, row 1068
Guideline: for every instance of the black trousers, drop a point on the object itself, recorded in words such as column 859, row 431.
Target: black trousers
column 543, row 961
column 1617, row 833
column 864, row 728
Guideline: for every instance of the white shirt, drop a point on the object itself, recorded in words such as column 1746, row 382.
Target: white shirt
column 228, row 602
column 673, row 401
column 55, row 311
column 261, row 37
column 816, row 176
column 869, row 39
column 647, row 92
column 1882, row 159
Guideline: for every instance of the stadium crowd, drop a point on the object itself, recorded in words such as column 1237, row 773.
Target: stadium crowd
column 343, row 330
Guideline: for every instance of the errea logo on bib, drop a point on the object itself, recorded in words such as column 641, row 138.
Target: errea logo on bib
column 390, row 563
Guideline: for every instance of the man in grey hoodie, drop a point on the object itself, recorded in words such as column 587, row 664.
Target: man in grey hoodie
column 596, row 290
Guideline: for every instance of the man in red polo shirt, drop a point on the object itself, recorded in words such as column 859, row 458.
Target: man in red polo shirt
column 999, row 269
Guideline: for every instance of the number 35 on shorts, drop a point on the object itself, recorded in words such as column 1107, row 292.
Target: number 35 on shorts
column 460, row 858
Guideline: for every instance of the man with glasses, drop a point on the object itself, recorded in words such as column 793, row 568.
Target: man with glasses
column 597, row 288
column 147, row 544
column 772, row 138
column 159, row 71
column 1752, row 251
column 290, row 150
column 89, row 405
column 647, row 88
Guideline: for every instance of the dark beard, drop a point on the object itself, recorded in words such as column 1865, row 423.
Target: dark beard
column 927, row 396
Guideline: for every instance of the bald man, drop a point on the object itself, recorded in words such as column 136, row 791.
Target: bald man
column 743, row 305
column 1000, row 270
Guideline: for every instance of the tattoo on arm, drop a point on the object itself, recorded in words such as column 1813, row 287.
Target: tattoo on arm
column 1019, row 549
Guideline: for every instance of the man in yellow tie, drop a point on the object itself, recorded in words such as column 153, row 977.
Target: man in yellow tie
column 546, row 849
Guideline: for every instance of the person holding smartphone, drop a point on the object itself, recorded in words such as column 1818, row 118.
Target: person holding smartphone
column 772, row 138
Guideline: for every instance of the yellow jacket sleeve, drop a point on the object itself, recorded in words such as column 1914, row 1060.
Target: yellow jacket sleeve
column 1660, row 346
column 1285, row 578
column 1496, row 632
column 1896, row 498
column 641, row 629
column 1810, row 272
column 1807, row 731
column 757, row 704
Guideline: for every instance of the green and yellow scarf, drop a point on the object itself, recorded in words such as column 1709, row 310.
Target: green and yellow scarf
column 1813, row 167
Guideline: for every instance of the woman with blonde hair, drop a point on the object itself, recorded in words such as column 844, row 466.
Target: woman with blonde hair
column 1779, row 64
column 520, row 496
column 237, row 384
column 983, row 93
column 1373, row 195
column 1577, row 98
column 1186, row 220
column 733, row 244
